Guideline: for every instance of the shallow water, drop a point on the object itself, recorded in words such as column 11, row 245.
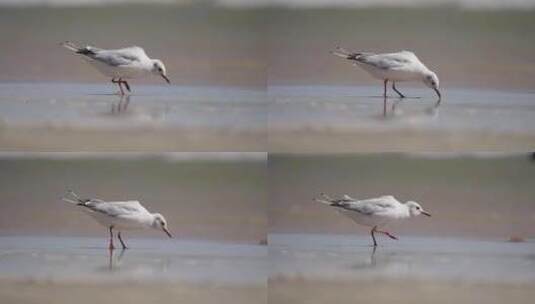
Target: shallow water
column 344, row 257
column 75, row 259
column 90, row 106
column 86, row 117
column 348, row 119
column 362, row 108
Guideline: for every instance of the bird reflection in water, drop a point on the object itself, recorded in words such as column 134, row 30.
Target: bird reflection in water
column 136, row 264
column 121, row 106
column 117, row 257
column 366, row 264
column 394, row 110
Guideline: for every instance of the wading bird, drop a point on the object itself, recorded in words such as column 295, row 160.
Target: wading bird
column 120, row 64
column 395, row 67
column 374, row 212
column 125, row 215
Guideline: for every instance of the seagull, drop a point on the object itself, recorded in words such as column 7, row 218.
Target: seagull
column 121, row 215
column 400, row 66
column 374, row 212
column 120, row 64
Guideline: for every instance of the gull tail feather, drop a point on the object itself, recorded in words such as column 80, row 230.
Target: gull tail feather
column 343, row 53
column 324, row 199
column 87, row 50
column 70, row 45
column 77, row 200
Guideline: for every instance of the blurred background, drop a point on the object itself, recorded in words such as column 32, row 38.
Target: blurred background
column 474, row 195
column 469, row 43
column 251, row 43
column 211, row 196
column 200, row 44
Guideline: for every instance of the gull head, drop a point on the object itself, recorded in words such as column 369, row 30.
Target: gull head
column 158, row 68
column 415, row 209
column 431, row 81
column 160, row 223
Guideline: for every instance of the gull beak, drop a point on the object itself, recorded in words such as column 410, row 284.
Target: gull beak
column 166, row 79
column 426, row 213
column 167, row 231
column 438, row 93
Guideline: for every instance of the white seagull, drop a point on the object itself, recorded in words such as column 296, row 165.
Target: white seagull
column 120, row 215
column 374, row 212
column 400, row 66
column 120, row 64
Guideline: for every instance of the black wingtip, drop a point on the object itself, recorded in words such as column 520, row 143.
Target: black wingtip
column 353, row 56
column 85, row 51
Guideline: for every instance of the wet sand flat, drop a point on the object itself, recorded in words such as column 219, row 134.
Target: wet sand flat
column 345, row 141
column 43, row 292
column 143, row 140
column 400, row 291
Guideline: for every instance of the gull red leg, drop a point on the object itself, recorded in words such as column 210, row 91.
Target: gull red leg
column 126, row 85
column 373, row 236
column 111, row 247
column 118, row 82
column 388, row 234
column 384, row 92
column 394, row 87
column 121, row 239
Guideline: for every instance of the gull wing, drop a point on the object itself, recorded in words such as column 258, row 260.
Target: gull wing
column 133, row 51
column 389, row 61
column 371, row 206
column 115, row 209
column 119, row 57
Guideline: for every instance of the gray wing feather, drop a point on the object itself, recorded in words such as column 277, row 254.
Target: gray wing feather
column 115, row 209
column 383, row 63
column 389, row 61
column 118, row 57
column 113, row 58
column 371, row 206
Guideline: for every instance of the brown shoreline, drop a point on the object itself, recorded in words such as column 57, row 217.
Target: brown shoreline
column 141, row 139
column 297, row 290
column 342, row 141
column 17, row 291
